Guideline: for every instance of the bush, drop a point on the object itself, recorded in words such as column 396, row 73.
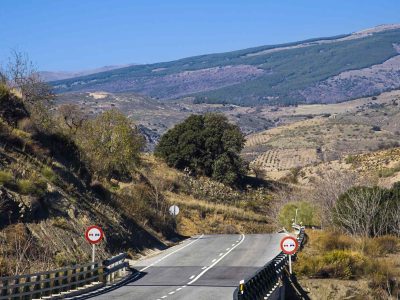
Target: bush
column 6, row 178
column 382, row 245
column 49, row 174
column 29, row 187
column 333, row 241
column 343, row 264
column 63, row 259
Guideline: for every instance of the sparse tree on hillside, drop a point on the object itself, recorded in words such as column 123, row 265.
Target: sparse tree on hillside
column 364, row 211
column 21, row 77
column 110, row 144
column 328, row 188
column 206, row 145
column 71, row 117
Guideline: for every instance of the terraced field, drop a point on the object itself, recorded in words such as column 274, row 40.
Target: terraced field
column 367, row 127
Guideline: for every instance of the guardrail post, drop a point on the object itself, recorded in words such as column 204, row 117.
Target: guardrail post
column 4, row 287
column 37, row 287
column 47, row 284
column 27, row 288
column 15, row 290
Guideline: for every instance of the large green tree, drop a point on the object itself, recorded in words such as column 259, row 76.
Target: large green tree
column 207, row 145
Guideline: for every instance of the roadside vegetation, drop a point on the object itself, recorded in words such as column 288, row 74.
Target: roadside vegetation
column 355, row 235
column 62, row 169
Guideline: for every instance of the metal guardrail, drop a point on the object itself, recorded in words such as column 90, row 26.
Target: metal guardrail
column 264, row 282
column 61, row 283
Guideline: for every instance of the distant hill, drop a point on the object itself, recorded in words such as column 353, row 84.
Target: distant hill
column 321, row 70
column 59, row 75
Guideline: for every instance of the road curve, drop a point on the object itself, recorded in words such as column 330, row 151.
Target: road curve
column 203, row 267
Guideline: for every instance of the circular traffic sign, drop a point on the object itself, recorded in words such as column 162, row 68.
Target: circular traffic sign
column 94, row 234
column 289, row 245
column 174, row 210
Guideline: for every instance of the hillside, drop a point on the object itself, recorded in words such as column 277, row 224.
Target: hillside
column 331, row 132
column 48, row 197
column 323, row 70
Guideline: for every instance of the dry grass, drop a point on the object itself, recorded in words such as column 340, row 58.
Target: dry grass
column 373, row 261
column 199, row 216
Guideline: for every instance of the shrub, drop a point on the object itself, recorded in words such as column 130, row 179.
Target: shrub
column 63, row 259
column 382, row 245
column 343, row 264
column 49, row 174
column 350, row 159
column 6, row 177
column 29, row 187
column 333, row 241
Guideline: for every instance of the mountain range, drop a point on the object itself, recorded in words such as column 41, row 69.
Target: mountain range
column 320, row 70
column 59, row 75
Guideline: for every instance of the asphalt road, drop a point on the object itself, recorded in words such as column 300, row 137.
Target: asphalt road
column 203, row 267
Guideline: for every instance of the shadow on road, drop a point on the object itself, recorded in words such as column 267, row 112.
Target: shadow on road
column 136, row 275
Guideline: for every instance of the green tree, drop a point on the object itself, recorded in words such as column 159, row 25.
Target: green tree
column 207, row 145
column 110, row 144
column 306, row 214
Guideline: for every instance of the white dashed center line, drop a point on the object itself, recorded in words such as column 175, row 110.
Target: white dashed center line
column 193, row 278
column 217, row 261
column 145, row 268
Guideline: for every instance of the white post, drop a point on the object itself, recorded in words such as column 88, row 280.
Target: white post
column 93, row 252
column 290, row 264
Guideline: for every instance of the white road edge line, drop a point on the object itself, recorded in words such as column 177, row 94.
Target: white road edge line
column 145, row 268
column 202, row 273
column 191, row 277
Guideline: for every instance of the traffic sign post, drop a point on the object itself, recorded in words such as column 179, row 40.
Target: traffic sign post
column 94, row 235
column 289, row 246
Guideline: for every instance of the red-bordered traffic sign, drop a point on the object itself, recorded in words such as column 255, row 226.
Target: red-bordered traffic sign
column 94, row 234
column 289, row 245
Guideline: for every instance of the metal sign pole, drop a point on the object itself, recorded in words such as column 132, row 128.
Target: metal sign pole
column 290, row 264
column 93, row 252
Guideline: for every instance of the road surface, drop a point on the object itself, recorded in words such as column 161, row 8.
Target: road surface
column 203, row 267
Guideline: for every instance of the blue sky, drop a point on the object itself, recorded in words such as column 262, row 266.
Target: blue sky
column 82, row 34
